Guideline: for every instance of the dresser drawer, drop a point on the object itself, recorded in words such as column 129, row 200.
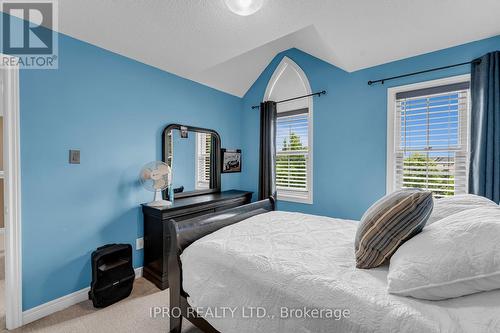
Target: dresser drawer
column 190, row 216
column 232, row 204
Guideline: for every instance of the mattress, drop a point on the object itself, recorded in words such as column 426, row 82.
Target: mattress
column 292, row 272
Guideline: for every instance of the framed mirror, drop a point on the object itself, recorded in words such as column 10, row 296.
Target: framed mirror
column 193, row 155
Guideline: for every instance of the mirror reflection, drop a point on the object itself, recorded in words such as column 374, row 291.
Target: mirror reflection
column 192, row 157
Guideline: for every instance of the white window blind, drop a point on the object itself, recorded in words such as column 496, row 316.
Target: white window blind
column 431, row 148
column 203, row 145
column 292, row 153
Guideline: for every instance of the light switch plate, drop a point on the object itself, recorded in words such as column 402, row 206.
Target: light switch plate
column 74, row 156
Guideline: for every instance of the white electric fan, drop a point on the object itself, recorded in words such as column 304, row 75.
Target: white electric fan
column 156, row 177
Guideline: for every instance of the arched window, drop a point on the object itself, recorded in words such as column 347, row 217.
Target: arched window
column 294, row 139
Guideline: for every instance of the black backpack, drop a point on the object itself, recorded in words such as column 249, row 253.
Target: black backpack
column 112, row 274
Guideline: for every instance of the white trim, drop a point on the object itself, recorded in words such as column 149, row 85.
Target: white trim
column 199, row 184
column 391, row 102
column 196, row 161
column 291, row 195
column 54, row 306
column 138, row 272
column 12, row 195
column 61, row 303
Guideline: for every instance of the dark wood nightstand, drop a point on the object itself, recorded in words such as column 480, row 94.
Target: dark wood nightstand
column 156, row 234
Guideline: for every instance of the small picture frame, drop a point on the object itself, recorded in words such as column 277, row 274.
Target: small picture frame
column 231, row 160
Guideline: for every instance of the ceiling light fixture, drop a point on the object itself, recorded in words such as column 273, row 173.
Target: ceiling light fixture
column 244, row 7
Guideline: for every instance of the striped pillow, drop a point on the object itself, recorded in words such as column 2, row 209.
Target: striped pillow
column 390, row 222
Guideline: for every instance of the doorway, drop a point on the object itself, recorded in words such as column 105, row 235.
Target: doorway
column 10, row 180
column 2, row 229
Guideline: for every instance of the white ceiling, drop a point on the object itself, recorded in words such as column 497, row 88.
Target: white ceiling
column 203, row 41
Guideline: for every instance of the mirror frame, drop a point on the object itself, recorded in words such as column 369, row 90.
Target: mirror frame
column 217, row 175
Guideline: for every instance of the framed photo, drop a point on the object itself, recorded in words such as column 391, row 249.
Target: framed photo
column 231, row 160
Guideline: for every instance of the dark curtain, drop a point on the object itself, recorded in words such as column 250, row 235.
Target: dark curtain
column 484, row 167
column 267, row 161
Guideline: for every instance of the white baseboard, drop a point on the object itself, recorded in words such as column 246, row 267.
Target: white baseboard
column 61, row 303
column 56, row 305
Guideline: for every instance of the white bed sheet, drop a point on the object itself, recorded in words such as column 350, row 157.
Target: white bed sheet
column 291, row 260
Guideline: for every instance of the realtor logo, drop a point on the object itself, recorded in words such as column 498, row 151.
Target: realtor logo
column 28, row 34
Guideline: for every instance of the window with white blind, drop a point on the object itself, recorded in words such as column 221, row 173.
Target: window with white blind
column 294, row 132
column 293, row 155
column 430, row 138
column 203, row 145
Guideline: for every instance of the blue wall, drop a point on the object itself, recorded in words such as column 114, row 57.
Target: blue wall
column 114, row 110
column 349, row 125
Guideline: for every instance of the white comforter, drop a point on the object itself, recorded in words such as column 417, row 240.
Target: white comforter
column 280, row 261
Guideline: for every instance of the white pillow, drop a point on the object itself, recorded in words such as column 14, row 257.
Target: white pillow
column 445, row 207
column 456, row 256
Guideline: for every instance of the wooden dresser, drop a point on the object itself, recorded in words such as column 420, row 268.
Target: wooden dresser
column 157, row 237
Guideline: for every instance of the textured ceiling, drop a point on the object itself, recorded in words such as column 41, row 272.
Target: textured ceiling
column 205, row 42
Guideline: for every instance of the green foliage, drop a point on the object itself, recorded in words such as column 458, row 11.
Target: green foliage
column 429, row 173
column 289, row 167
column 293, row 143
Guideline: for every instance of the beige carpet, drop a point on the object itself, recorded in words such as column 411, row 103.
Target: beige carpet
column 130, row 315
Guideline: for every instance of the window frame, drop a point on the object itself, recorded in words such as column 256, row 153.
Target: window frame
column 199, row 184
column 305, row 197
column 391, row 118
column 300, row 196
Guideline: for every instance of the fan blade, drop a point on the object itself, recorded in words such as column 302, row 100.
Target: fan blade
column 155, row 175
column 146, row 173
column 163, row 169
column 160, row 184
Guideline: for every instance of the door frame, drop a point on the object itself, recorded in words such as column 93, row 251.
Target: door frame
column 12, row 194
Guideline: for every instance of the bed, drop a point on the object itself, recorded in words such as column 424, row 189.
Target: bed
column 286, row 264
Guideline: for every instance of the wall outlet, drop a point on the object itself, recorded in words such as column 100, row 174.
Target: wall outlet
column 139, row 243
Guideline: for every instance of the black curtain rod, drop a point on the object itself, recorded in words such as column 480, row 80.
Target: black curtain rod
column 421, row 72
column 319, row 93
